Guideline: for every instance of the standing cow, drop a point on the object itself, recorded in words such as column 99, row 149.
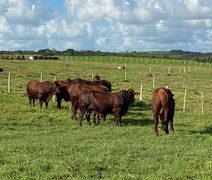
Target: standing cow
column 163, row 105
column 71, row 92
column 43, row 91
column 102, row 82
column 105, row 103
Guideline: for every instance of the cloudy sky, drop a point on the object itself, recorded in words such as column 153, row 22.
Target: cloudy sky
column 106, row 25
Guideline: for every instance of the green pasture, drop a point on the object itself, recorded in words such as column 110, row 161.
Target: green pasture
column 46, row 144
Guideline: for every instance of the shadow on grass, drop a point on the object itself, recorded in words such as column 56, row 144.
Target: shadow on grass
column 138, row 122
column 207, row 130
column 140, row 106
column 137, row 114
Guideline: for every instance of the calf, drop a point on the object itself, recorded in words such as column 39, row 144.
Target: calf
column 43, row 91
column 105, row 103
column 163, row 104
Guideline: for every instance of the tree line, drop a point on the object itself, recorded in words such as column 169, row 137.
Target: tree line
column 173, row 54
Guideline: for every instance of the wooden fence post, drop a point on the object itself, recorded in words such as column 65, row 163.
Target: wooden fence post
column 184, row 101
column 169, row 68
column 141, row 93
column 189, row 68
column 54, row 95
column 9, row 82
column 125, row 76
column 153, row 82
column 41, row 77
column 202, row 104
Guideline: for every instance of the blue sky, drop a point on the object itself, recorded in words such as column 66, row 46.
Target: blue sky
column 106, row 25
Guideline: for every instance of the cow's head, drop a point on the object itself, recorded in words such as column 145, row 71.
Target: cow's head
column 57, row 87
column 131, row 95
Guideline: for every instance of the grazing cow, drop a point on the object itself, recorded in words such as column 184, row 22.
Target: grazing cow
column 163, row 104
column 105, row 103
column 71, row 92
column 94, row 82
column 43, row 91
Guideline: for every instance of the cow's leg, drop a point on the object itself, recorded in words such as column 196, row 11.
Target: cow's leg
column 162, row 121
column 41, row 103
column 59, row 102
column 171, row 125
column 94, row 119
column 88, row 117
column 103, row 117
column 47, row 104
column 74, row 112
column 82, row 112
column 166, row 121
column 33, row 102
column 118, row 119
column 156, row 123
column 98, row 118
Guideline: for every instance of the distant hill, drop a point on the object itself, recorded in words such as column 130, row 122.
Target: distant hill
column 173, row 54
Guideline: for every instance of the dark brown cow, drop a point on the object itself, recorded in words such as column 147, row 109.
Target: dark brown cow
column 63, row 94
column 43, row 91
column 95, row 82
column 163, row 104
column 71, row 92
column 105, row 103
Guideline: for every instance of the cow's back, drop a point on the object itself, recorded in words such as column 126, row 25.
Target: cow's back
column 160, row 99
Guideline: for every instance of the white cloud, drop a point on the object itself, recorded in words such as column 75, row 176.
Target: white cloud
column 106, row 25
column 4, row 27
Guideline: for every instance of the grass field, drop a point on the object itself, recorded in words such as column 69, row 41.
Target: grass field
column 46, row 144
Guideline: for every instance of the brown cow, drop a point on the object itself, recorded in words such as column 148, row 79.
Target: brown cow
column 71, row 92
column 105, row 103
column 102, row 82
column 43, row 91
column 163, row 104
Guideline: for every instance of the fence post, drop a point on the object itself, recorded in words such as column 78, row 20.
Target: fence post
column 202, row 104
column 153, row 82
column 189, row 68
column 141, row 93
column 125, row 76
column 9, row 82
column 169, row 68
column 53, row 99
column 41, row 77
column 184, row 101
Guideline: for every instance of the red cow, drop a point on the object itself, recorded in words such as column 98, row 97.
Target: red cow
column 43, row 91
column 95, row 82
column 105, row 103
column 163, row 104
column 71, row 91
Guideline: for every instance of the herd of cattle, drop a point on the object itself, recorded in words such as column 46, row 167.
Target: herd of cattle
column 96, row 97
